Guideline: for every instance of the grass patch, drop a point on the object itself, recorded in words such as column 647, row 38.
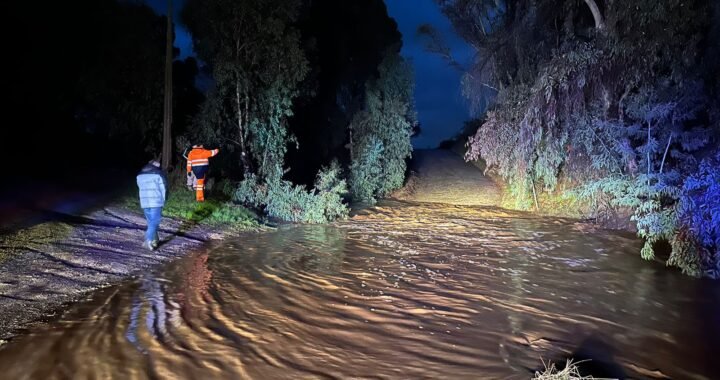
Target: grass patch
column 215, row 211
column 558, row 203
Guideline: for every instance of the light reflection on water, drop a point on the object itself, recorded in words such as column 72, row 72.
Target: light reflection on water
column 400, row 291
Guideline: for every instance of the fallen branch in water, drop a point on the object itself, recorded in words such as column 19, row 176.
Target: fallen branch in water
column 570, row 372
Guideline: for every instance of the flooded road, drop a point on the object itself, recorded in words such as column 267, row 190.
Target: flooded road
column 402, row 290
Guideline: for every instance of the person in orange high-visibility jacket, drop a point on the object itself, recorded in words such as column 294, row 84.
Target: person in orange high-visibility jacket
column 198, row 162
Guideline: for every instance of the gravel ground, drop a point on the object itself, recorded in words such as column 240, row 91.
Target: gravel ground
column 58, row 262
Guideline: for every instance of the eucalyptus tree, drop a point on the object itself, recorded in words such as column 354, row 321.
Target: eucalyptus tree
column 380, row 133
column 253, row 49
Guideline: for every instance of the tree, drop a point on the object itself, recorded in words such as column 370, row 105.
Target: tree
column 253, row 48
column 597, row 16
column 345, row 42
column 381, row 131
column 257, row 64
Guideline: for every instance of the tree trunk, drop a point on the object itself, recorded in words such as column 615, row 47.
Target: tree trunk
column 667, row 148
column 241, row 128
column 537, row 206
column 599, row 21
column 648, row 155
column 167, row 114
column 352, row 150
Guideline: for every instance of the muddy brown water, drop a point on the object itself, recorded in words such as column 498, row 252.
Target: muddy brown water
column 402, row 290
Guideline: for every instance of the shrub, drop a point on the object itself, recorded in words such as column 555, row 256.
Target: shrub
column 699, row 214
column 181, row 204
column 294, row 203
column 365, row 172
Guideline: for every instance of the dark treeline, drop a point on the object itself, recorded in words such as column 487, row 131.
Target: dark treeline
column 309, row 101
column 606, row 106
column 84, row 81
column 345, row 42
column 303, row 90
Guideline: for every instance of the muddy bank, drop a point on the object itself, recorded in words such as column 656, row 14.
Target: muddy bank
column 52, row 264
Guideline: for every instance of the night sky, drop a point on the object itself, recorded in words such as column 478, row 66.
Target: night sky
column 441, row 108
column 183, row 41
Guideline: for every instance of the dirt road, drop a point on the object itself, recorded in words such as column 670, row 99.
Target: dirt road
column 444, row 177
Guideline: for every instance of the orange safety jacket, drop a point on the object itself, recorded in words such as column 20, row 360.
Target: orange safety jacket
column 199, row 156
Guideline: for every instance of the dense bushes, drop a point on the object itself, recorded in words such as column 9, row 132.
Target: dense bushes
column 699, row 216
column 379, row 143
column 366, row 170
column 282, row 199
column 617, row 104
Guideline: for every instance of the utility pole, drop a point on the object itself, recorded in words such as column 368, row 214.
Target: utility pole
column 167, row 117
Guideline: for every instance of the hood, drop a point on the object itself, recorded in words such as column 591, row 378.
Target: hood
column 149, row 168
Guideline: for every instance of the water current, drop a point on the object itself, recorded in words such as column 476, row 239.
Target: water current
column 401, row 290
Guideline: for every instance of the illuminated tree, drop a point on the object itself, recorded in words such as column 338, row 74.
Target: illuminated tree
column 381, row 131
column 257, row 64
column 611, row 98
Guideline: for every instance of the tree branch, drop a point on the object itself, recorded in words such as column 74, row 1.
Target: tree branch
column 662, row 164
column 599, row 21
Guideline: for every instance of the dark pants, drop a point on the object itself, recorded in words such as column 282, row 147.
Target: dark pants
column 200, row 171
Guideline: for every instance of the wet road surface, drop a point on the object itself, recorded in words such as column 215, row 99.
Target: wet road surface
column 402, row 290
column 444, row 177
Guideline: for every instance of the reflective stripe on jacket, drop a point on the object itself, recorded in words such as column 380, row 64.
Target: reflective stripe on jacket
column 200, row 157
column 152, row 185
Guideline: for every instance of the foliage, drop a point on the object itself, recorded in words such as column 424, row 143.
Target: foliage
column 699, row 211
column 257, row 64
column 257, row 55
column 345, row 42
column 638, row 176
column 366, row 171
column 381, row 131
column 294, row 203
column 182, row 205
column 617, row 104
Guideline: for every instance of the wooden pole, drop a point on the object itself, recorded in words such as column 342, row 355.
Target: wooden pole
column 167, row 112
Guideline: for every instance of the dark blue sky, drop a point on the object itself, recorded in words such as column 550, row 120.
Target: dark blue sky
column 182, row 37
column 441, row 108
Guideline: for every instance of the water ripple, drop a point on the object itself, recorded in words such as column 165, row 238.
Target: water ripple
column 402, row 290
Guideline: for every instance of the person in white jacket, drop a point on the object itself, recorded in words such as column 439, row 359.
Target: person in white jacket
column 152, row 184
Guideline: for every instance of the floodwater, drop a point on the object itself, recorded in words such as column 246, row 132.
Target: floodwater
column 402, row 290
